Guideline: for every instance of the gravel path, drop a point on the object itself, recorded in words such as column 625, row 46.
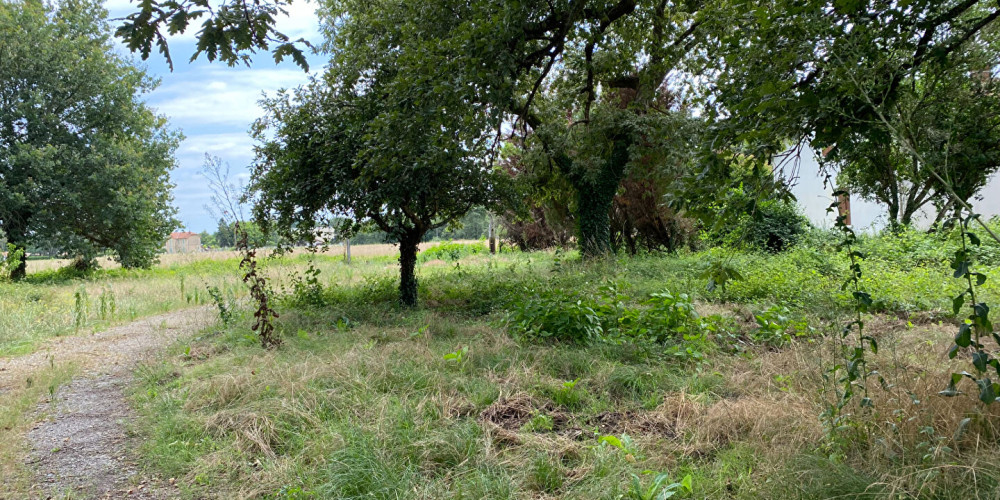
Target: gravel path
column 79, row 447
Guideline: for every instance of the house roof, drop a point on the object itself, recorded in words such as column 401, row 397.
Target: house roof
column 182, row 236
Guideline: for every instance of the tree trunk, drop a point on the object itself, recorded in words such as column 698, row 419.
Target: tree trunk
column 493, row 234
column 595, row 198
column 21, row 271
column 16, row 236
column 407, row 269
column 347, row 251
column 594, row 207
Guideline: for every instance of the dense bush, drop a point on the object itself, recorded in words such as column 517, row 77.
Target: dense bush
column 556, row 314
column 774, row 227
column 452, row 251
column 744, row 221
column 665, row 319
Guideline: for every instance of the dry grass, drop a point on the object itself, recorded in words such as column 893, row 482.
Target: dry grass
column 374, row 409
column 181, row 259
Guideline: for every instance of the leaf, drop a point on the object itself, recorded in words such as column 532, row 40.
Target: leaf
column 612, row 440
column 987, row 391
column 980, row 360
column 686, row 483
column 957, row 303
column 964, row 336
column 961, row 268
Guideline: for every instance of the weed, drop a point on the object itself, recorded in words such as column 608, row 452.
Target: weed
column 224, row 309
column 775, row 327
column 108, row 304
column 457, row 356
column 567, row 395
column 80, row 308
column 546, row 476
column 660, row 488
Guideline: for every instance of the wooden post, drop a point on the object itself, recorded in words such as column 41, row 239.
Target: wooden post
column 844, row 207
column 492, row 233
column 347, row 251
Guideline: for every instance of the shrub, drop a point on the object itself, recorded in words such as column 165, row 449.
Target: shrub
column 774, row 227
column 666, row 317
column 9, row 261
column 770, row 225
column 558, row 315
column 776, row 327
column 451, row 251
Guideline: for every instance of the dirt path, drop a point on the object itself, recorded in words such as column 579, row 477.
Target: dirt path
column 79, row 447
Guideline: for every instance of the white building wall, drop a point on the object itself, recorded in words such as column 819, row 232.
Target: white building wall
column 813, row 198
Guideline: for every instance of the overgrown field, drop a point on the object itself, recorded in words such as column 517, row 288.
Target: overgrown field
column 539, row 376
column 55, row 301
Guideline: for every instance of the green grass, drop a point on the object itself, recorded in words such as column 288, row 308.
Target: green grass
column 361, row 402
column 366, row 399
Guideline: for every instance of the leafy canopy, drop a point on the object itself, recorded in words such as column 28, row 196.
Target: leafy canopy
column 84, row 163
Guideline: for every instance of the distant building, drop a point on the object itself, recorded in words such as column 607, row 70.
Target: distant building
column 324, row 235
column 185, row 242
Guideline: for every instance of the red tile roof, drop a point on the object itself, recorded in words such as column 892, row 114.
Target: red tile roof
column 182, row 236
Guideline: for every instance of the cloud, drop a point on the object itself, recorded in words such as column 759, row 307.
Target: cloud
column 232, row 146
column 214, row 104
column 220, row 96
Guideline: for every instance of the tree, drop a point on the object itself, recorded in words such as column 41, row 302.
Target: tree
column 384, row 137
column 833, row 73
column 208, row 239
column 606, row 102
column 225, row 235
column 950, row 115
column 84, row 164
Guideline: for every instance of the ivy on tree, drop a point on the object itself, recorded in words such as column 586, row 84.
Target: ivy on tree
column 84, row 163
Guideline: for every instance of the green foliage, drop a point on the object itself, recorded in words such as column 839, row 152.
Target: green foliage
column 451, row 251
column 231, row 33
column 776, row 327
column 10, row 260
column 221, row 304
column 558, row 315
column 770, row 225
column 85, row 162
column 718, row 273
column 345, row 143
column 306, row 288
column 109, row 306
column 81, row 308
column 546, row 475
column 457, row 356
column 660, row 488
column 666, row 321
column 666, row 317
column 977, row 327
column 567, row 395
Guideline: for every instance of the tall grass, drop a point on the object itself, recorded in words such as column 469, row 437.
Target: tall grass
column 368, row 400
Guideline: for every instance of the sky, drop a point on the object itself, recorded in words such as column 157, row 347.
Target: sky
column 214, row 105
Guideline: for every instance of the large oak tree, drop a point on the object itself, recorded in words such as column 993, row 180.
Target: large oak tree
column 83, row 161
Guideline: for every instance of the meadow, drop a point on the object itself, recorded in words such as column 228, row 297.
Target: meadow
column 538, row 375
